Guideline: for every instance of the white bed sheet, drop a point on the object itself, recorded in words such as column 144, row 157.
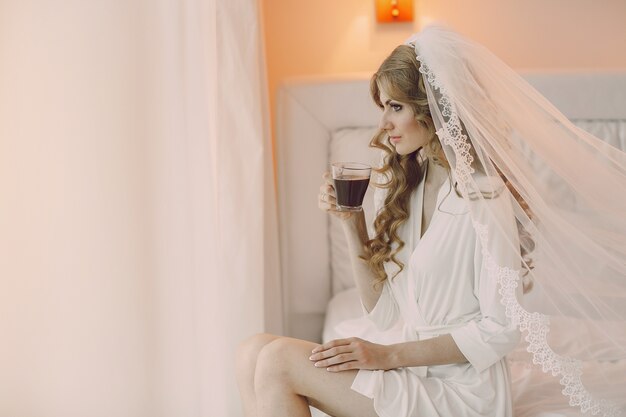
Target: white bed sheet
column 535, row 394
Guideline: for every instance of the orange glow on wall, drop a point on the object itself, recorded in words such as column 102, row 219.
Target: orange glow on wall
column 388, row 11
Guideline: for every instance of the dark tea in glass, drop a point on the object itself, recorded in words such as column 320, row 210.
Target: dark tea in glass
column 351, row 180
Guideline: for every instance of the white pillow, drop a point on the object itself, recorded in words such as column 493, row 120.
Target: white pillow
column 345, row 305
column 349, row 145
column 345, row 318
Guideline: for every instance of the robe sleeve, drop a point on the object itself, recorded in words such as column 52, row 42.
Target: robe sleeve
column 385, row 313
column 485, row 340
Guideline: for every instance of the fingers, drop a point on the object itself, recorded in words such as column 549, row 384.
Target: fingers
column 333, row 357
column 329, row 353
column 339, row 363
column 334, row 343
column 337, row 355
column 333, row 353
column 327, row 196
column 328, row 178
column 327, row 199
column 328, row 187
column 344, row 366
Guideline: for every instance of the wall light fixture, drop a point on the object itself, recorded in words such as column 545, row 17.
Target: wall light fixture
column 389, row 11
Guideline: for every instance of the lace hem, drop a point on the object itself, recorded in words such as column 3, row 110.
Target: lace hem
column 537, row 327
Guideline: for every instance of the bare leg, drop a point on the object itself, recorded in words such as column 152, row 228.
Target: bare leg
column 247, row 354
column 286, row 382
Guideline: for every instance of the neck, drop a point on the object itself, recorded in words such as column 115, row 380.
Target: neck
column 436, row 173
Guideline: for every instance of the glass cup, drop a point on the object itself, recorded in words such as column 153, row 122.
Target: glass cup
column 351, row 180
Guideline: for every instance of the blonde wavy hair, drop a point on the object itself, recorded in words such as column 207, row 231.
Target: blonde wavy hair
column 400, row 78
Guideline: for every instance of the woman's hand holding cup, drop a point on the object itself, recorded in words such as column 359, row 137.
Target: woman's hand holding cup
column 327, row 199
column 352, row 178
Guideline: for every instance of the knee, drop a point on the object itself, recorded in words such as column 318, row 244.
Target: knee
column 273, row 364
column 248, row 351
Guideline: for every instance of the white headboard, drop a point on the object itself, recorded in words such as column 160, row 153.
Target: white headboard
column 310, row 110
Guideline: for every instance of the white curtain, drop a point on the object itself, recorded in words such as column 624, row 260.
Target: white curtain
column 137, row 221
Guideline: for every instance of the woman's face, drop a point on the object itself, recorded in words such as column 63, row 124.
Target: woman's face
column 406, row 134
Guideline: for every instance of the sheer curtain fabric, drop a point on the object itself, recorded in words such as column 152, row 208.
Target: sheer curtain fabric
column 137, row 220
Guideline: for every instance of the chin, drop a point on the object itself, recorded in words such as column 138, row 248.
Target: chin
column 403, row 150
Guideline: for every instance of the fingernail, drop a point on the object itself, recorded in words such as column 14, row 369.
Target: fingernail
column 317, row 364
column 311, row 357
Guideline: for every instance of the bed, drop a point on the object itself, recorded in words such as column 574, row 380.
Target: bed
column 329, row 119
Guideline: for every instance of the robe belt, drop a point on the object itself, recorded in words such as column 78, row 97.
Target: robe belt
column 428, row 332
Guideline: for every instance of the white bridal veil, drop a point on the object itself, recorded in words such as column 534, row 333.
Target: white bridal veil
column 570, row 212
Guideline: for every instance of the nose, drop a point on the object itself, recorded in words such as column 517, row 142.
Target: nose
column 384, row 123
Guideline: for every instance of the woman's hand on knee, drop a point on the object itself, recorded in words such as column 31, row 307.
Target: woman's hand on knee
column 352, row 353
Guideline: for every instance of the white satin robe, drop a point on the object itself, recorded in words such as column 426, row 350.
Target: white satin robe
column 446, row 289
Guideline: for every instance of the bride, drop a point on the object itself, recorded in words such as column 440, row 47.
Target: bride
column 464, row 227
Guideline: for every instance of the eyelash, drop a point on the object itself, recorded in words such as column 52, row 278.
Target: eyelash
column 394, row 107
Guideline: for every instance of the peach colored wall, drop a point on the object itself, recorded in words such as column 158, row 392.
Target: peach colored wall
column 329, row 36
